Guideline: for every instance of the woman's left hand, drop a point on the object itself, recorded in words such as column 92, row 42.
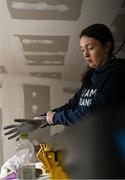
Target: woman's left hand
column 49, row 117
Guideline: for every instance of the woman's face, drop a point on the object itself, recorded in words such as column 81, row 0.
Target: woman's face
column 93, row 51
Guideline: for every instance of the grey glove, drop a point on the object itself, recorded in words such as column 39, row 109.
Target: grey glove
column 25, row 125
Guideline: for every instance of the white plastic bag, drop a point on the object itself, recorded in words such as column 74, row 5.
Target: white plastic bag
column 8, row 167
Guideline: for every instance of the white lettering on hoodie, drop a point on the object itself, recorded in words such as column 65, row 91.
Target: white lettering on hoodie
column 86, row 97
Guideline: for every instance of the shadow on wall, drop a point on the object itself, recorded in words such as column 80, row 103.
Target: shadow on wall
column 92, row 148
column 1, row 157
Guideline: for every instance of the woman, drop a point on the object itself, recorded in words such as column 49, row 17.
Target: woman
column 101, row 85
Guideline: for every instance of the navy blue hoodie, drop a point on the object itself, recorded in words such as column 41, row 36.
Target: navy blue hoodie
column 107, row 89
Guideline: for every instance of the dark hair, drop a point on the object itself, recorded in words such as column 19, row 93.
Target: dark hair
column 100, row 32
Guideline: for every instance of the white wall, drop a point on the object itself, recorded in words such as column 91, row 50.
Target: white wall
column 13, row 102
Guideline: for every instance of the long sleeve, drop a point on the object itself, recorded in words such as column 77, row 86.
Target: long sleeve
column 109, row 92
column 71, row 116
